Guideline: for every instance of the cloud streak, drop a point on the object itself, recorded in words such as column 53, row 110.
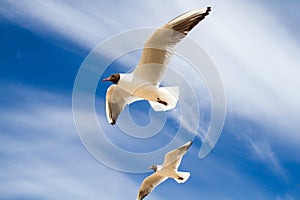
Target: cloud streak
column 42, row 156
column 255, row 61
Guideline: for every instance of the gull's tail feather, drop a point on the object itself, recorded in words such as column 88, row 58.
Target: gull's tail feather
column 182, row 177
column 169, row 95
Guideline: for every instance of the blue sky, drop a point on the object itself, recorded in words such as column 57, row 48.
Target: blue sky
column 255, row 47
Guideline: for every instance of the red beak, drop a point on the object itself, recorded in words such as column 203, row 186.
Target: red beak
column 106, row 79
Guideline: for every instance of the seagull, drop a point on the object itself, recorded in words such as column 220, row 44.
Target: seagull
column 167, row 170
column 143, row 83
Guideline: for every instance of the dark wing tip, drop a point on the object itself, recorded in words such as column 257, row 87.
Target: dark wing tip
column 208, row 9
column 113, row 122
column 143, row 194
column 190, row 144
column 187, row 24
column 187, row 145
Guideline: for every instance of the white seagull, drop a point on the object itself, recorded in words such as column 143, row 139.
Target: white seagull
column 167, row 170
column 144, row 81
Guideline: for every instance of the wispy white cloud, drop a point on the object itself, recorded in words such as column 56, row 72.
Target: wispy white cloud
column 256, row 57
column 262, row 151
column 42, row 156
column 76, row 21
column 209, row 174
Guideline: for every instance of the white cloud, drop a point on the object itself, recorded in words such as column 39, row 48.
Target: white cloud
column 42, row 156
column 210, row 175
column 77, row 22
column 263, row 151
column 257, row 59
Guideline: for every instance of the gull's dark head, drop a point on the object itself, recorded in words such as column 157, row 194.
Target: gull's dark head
column 113, row 78
column 153, row 167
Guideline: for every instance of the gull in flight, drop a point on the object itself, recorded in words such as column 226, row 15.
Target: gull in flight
column 167, row 170
column 143, row 83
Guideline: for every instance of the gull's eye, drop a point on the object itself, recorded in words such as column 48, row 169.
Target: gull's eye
column 113, row 76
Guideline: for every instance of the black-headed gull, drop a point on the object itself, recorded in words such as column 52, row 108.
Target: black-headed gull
column 167, row 170
column 143, row 82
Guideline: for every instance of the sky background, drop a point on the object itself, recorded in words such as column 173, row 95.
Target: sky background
column 255, row 47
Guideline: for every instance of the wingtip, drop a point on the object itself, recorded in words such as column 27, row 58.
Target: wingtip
column 113, row 122
column 187, row 145
column 204, row 11
column 208, row 9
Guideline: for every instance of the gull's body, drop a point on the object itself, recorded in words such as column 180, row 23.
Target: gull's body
column 138, row 87
column 167, row 170
column 144, row 81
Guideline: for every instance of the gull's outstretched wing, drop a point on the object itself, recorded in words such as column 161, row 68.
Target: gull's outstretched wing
column 160, row 46
column 116, row 100
column 173, row 158
column 149, row 184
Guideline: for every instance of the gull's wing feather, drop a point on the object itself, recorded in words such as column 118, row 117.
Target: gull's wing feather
column 160, row 46
column 149, row 184
column 116, row 100
column 173, row 158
